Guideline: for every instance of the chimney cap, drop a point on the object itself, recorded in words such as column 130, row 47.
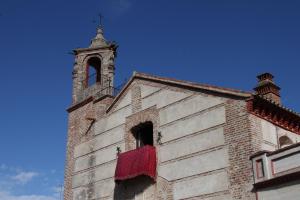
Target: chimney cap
column 265, row 76
column 267, row 87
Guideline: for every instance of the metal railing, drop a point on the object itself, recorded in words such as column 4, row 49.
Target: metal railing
column 105, row 86
column 96, row 78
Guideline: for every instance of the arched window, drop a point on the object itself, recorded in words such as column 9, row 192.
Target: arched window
column 285, row 141
column 143, row 134
column 93, row 71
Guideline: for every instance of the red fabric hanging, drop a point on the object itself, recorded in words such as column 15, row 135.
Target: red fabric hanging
column 141, row 161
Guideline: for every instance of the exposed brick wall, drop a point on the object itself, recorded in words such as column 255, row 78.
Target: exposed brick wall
column 74, row 137
column 136, row 98
column 256, row 133
column 164, row 189
column 243, row 137
column 150, row 114
column 80, row 129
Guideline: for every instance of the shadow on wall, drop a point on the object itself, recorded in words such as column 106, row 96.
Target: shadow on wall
column 133, row 188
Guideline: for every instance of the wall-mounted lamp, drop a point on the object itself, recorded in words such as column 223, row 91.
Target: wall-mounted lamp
column 118, row 150
column 159, row 136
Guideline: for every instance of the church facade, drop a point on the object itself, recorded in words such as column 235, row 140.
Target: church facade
column 165, row 139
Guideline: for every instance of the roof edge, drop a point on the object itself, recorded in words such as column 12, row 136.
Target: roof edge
column 195, row 85
column 180, row 83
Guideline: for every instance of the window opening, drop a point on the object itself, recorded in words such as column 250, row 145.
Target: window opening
column 143, row 134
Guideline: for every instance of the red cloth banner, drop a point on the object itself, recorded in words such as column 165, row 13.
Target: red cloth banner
column 141, row 161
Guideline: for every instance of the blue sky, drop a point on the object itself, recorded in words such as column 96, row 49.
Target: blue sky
column 224, row 43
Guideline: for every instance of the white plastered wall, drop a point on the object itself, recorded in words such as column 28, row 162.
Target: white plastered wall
column 271, row 134
column 193, row 155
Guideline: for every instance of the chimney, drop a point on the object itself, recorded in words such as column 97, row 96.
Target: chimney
column 267, row 88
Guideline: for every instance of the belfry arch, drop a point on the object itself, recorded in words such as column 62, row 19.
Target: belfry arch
column 93, row 71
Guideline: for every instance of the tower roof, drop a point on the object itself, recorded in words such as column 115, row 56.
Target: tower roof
column 98, row 42
column 99, row 39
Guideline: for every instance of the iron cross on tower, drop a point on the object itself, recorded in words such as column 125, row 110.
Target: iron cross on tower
column 100, row 19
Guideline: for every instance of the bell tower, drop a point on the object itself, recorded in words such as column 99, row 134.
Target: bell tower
column 93, row 88
column 93, row 73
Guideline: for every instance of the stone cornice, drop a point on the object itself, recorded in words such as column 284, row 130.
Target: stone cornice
column 80, row 104
column 86, row 101
column 113, row 46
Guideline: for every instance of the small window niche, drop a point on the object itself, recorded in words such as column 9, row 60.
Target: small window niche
column 285, row 141
column 143, row 134
column 93, row 71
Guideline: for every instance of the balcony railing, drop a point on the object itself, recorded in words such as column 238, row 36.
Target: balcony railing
column 141, row 161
